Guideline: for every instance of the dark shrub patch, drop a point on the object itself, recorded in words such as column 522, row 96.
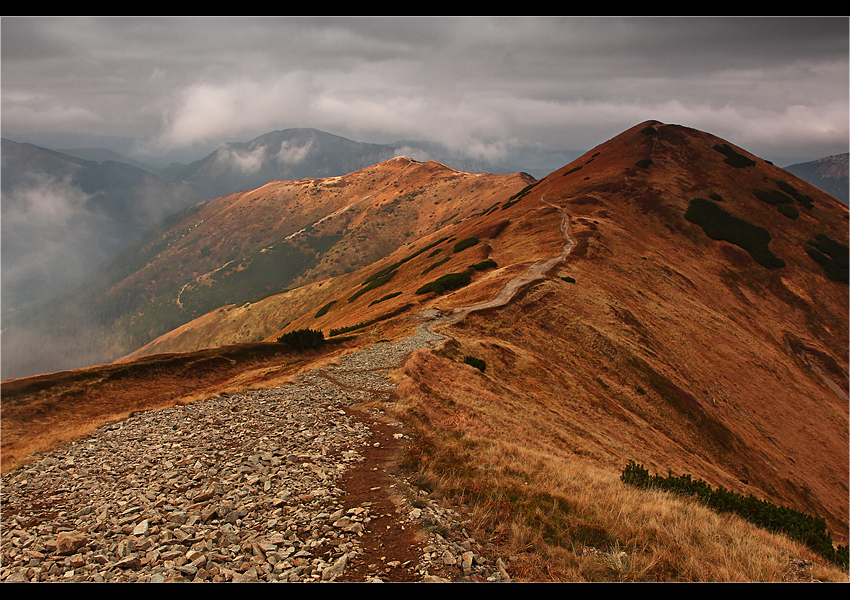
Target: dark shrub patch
column 832, row 256
column 793, row 523
column 303, row 339
column 773, row 197
column 322, row 311
column 475, row 362
column 720, row 225
column 374, row 283
column 644, row 163
column 733, row 158
column 452, row 281
column 484, row 265
column 789, row 211
column 569, row 279
column 387, row 297
column 464, row 244
column 803, row 199
column 435, row 265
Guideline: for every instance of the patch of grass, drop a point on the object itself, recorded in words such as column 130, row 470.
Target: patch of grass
column 718, row 224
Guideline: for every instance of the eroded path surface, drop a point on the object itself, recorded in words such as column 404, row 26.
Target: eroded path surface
column 282, row 485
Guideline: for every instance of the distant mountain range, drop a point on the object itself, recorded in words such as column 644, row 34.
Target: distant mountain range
column 63, row 215
column 829, row 174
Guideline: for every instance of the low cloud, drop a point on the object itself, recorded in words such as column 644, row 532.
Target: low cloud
column 291, row 154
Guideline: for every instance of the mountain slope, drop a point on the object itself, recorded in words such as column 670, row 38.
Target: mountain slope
column 247, row 245
column 724, row 358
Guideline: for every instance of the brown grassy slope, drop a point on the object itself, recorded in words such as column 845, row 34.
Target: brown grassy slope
column 41, row 412
column 670, row 349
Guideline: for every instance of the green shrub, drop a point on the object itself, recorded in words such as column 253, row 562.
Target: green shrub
column 452, row 281
column 569, row 279
column 484, row 265
column 774, row 197
column 832, row 256
column 387, row 297
column 793, row 523
column 348, row 329
column 322, row 311
column 733, row 158
column 644, row 163
column 789, row 211
column 475, row 362
column 372, row 284
column 718, row 224
column 435, row 265
column 303, row 339
column 464, row 244
column 803, row 199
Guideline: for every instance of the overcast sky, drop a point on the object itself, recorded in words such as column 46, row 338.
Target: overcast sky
column 776, row 86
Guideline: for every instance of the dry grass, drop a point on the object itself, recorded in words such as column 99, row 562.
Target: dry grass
column 41, row 413
column 568, row 517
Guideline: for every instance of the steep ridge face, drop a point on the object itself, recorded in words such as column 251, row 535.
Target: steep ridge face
column 247, row 245
column 677, row 333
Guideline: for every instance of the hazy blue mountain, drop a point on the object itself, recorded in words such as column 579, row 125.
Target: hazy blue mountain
column 62, row 216
column 288, row 154
column 104, row 154
column 829, row 174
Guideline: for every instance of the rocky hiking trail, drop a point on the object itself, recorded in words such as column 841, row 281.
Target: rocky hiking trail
column 292, row 484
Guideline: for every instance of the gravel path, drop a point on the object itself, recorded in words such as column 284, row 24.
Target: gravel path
column 282, row 485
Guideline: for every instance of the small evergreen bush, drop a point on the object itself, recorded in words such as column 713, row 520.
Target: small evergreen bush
column 737, row 160
column 484, row 265
column 303, row 339
column 718, row 224
column 475, row 362
column 793, row 523
column 322, row 311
